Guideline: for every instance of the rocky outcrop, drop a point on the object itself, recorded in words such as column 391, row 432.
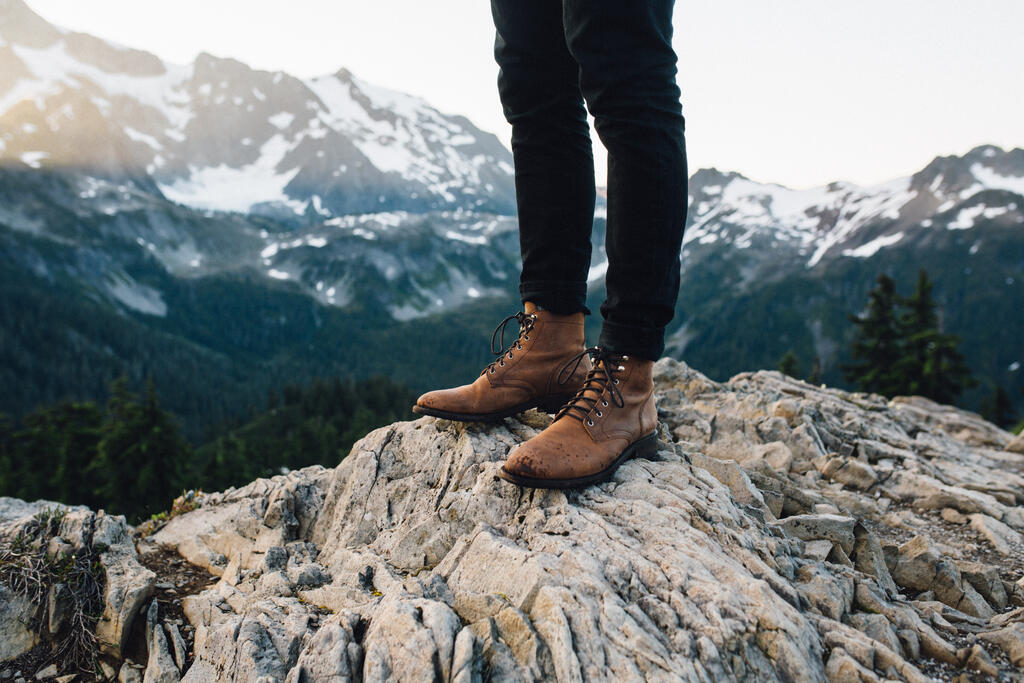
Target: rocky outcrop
column 781, row 532
column 55, row 541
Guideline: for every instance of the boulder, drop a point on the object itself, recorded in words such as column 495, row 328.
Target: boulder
column 1003, row 538
column 129, row 585
column 835, row 528
column 1010, row 640
column 16, row 638
column 766, row 539
column 922, row 567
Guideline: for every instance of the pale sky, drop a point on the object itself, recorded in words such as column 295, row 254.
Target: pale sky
column 799, row 92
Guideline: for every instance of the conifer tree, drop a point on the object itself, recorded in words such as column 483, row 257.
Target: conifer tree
column 997, row 408
column 7, row 478
column 788, row 364
column 140, row 455
column 919, row 325
column 815, row 376
column 877, row 348
column 903, row 352
column 932, row 365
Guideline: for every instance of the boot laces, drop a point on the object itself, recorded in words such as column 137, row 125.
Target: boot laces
column 525, row 321
column 600, row 377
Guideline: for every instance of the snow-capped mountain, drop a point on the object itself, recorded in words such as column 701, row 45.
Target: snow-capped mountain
column 842, row 219
column 179, row 200
column 216, row 134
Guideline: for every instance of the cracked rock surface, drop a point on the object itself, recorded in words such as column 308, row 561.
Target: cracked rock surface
column 781, row 532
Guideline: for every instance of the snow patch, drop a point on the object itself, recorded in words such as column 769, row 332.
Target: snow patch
column 872, row 247
column 468, row 239
column 282, row 120
column 966, row 217
column 137, row 296
column 34, row 159
column 994, row 181
column 224, row 188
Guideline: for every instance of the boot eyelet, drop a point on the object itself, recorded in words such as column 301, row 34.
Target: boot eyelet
column 502, row 363
column 510, row 356
column 604, row 403
column 600, row 414
column 526, row 337
column 590, row 423
column 622, row 367
column 492, row 371
column 615, row 381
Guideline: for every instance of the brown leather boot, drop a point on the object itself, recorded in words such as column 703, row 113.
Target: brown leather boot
column 526, row 375
column 611, row 419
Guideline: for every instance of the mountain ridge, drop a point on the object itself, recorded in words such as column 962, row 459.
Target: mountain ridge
column 88, row 213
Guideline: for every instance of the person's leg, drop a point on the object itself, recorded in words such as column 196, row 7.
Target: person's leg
column 627, row 75
column 554, row 173
column 538, row 83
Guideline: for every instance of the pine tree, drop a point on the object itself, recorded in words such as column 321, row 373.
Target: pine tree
column 997, row 408
column 140, row 456
column 788, row 364
column 932, row 365
column 905, row 352
column 918, row 325
column 8, row 481
column 815, row 376
column 877, row 348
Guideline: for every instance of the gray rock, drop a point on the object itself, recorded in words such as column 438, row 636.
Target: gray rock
column 847, row 471
column 818, row 550
column 1003, row 538
column 130, row 672
column 333, row 654
column 978, row 660
column 921, row 566
column 411, row 560
column 15, row 614
column 876, row 627
column 842, row 668
column 1010, row 640
column 985, row 579
column 160, row 666
column 829, row 595
column 953, row 516
column 128, row 584
column 1016, row 445
column 58, row 607
column 869, row 557
column 177, row 645
column 47, row 672
column 836, row 528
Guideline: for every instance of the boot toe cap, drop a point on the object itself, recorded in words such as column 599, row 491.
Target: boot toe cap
column 541, row 459
column 454, row 400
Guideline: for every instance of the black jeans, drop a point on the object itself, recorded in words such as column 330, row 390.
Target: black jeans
column 617, row 56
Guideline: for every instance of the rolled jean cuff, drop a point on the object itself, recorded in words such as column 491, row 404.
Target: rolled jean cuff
column 561, row 298
column 628, row 340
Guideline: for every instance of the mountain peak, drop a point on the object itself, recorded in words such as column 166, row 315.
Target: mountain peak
column 20, row 25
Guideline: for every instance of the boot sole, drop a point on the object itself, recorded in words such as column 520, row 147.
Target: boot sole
column 644, row 447
column 549, row 404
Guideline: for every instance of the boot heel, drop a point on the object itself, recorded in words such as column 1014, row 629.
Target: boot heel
column 552, row 404
column 646, row 447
